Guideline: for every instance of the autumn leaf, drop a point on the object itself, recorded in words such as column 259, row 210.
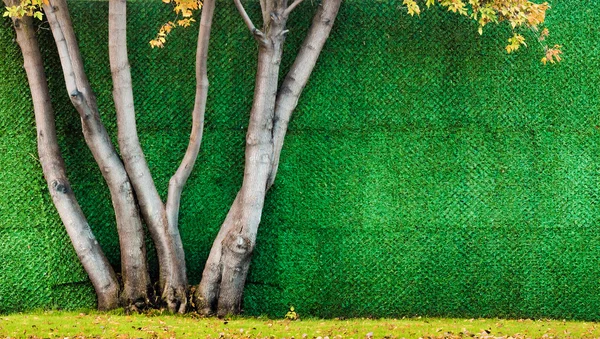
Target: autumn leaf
column 552, row 55
column 183, row 8
column 515, row 42
column 412, row 7
column 518, row 14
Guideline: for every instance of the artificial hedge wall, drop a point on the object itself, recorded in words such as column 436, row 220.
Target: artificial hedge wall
column 425, row 171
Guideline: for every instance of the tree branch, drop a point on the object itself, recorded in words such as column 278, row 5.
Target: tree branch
column 291, row 7
column 266, row 6
column 225, row 271
column 169, row 249
column 299, row 73
column 255, row 31
column 172, row 276
column 68, row 50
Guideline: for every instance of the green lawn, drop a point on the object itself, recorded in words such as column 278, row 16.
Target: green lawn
column 114, row 325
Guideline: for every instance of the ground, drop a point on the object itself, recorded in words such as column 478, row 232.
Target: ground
column 91, row 324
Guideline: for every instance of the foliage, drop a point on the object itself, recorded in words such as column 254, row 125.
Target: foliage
column 26, row 8
column 184, row 10
column 518, row 13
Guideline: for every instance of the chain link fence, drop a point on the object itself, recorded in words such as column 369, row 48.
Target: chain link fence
column 426, row 172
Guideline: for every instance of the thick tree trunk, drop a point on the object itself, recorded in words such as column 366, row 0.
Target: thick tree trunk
column 87, row 248
column 223, row 279
column 225, row 271
column 136, row 280
column 169, row 249
column 241, row 239
column 207, row 292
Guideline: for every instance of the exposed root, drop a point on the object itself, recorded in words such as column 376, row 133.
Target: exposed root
column 207, row 293
column 138, row 305
column 176, row 299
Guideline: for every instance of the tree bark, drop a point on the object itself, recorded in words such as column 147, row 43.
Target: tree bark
column 207, row 293
column 136, row 281
column 241, row 239
column 169, row 249
column 298, row 75
column 225, row 272
column 224, row 278
column 87, row 248
column 182, row 174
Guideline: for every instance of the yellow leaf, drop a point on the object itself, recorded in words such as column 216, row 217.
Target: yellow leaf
column 412, row 7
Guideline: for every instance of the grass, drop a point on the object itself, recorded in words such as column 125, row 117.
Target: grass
column 88, row 324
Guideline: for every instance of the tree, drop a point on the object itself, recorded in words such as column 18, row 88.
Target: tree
column 128, row 176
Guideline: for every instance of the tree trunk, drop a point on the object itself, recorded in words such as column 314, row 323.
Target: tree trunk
column 136, row 280
column 169, row 249
column 182, row 174
column 87, row 248
column 223, row 283
column 207, row 292
column 226, row 269
column 241, row 238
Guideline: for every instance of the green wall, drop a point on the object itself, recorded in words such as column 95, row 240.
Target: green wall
column 425, row 171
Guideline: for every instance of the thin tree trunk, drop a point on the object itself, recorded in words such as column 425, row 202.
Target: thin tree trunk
column 172, row 277
column 225, row 271
column 87, row 248
column 182, row 174
column 136, row 280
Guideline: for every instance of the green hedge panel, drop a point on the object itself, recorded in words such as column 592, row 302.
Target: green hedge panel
column 425, row 171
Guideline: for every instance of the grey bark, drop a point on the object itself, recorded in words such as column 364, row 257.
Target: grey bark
column 207, row 293
column 224, row 277
column 87, row 248
column 298, row 75
column 136, row 281
column 182, row 174
column 225, row 272
column 161, row 220
column 241, row 239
